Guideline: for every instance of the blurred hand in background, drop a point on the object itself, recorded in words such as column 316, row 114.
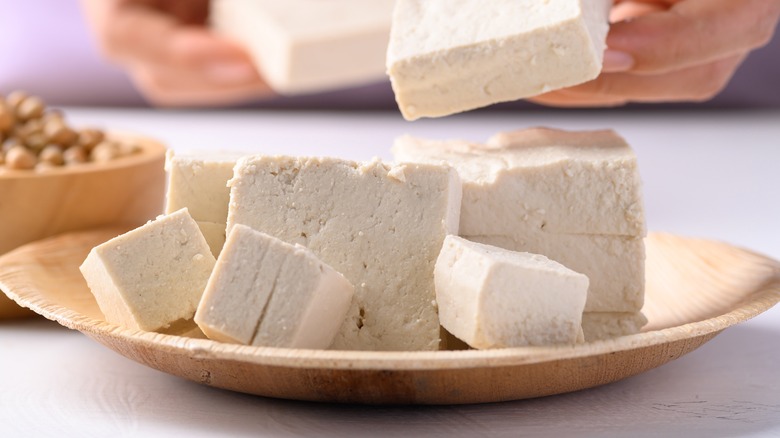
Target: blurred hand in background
column 673, row 51
column 170, row 54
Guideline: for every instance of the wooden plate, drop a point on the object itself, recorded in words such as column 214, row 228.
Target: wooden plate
column 696, row 288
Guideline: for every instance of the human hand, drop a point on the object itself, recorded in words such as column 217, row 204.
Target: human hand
column 170, row 54
column 672, row 50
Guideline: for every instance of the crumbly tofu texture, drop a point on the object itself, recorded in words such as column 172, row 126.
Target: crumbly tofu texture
column 302, row 46
column 490, row 297
column 381, row 226
column 559, row 181
column 198, row 181
column 152, row 276
column 597, row 326
column 266, row 292
column 442, row 59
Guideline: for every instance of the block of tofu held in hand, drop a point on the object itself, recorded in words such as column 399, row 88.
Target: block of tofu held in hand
column 266, row 292
column 381, row 226
column 304, row 46
column 490, row 297
column 448, row 56
column 152, row 276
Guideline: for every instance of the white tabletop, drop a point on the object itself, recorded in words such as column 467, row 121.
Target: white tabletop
column 713, row 174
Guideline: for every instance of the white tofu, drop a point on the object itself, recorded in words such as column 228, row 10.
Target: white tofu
column 198, row 181
column 303, row 46
column 494, row 298
column 448, row 56
column 605, row 325
column 558, row 181
column 152, row 276
column 572, row 196
column 615, row 265
column 380, row 226
column 266, row 292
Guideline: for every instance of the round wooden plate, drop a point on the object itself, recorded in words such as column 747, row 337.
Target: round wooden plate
column 695, row 289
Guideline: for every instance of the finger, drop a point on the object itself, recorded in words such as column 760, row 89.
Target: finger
column 182, row 88
column 691, row 84
column 631, row 9
column 694, row 32
column 136, row 34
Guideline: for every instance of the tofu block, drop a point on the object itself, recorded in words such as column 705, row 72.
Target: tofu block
column 302, row 46
column 214, row 235
column 615, row 265
column 198, row 181
column 267, row 292
column 490, row 297
column 381, row 226
column 541, row 179
column 605, row 325
column 448, row 56
column 152, row 276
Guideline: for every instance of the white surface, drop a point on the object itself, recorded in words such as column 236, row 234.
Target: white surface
column 706, row 174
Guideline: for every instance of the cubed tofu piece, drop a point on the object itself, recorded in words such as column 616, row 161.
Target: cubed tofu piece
column 381, row 226
column 615, row 265
column 152, row 276
column 490, row 297
column 266, row 292
column 448, row 56
column 541, row 179
column 605, row 325
column 303, row 46
column 198, row 181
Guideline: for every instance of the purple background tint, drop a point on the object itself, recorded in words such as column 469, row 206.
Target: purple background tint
column 46, row 49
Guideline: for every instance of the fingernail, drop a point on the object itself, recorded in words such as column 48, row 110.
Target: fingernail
column 616, row 61
column 231, row 73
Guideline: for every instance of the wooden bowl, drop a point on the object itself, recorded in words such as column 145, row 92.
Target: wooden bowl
column 35, row 205
column 695, row 289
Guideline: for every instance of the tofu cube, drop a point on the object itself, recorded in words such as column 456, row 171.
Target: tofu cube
column 448, row 56
column 198, row 181
column 152, row 276
column 303, row 46
column 381, row 226
column 267, row 292
column 615, row 265
column 490, row 297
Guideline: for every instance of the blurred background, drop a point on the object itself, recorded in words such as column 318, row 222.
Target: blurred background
column 48, row 49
